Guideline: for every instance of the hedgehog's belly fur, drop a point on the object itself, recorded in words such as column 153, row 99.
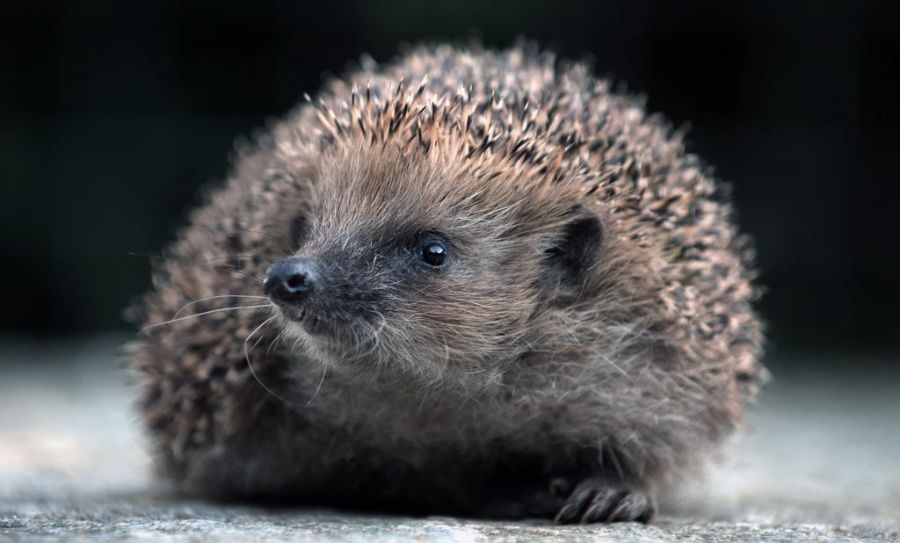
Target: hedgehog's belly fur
column 360, row 442
column 393, row 450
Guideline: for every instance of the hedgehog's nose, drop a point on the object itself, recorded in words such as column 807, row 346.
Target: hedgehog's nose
column 289, row 280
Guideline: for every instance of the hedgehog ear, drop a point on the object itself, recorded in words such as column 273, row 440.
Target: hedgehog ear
column 574, row 252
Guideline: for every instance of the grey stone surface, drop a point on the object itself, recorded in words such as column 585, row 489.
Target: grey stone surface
column 820, row 462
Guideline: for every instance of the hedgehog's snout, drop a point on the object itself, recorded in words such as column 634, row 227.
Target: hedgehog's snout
column 289, row 281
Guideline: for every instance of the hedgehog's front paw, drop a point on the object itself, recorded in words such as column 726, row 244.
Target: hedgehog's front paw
column 600, row 499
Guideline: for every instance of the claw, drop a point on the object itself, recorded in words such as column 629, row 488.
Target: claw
column 601, row 500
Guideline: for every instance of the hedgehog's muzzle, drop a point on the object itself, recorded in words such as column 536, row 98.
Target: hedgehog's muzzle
column 313, row 295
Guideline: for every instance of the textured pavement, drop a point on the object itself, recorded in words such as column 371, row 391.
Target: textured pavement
column 821, row 462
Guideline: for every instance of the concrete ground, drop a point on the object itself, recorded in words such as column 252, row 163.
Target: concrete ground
column 821, row 462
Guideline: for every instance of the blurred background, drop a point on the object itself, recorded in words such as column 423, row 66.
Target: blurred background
column 114, row 114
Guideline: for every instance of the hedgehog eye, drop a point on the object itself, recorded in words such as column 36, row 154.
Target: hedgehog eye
column 434, row 253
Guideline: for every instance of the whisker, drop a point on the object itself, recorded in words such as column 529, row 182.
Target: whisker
column 195, row 302
column 274, row 341
column 319, row 386
column 256, row 343
column 375, row 336
column 250, row 364
column 195, row 315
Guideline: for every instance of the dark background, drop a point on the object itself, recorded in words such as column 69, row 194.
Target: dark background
column 113, row 114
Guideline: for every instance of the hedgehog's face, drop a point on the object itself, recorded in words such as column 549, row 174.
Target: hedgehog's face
column 416, row 268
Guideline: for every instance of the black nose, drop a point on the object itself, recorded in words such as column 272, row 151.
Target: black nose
column 289, row 280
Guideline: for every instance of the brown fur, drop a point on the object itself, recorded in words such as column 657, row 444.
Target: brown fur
column 447, row 380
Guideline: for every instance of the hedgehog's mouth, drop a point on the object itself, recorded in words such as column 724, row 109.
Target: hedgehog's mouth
column 314, row 325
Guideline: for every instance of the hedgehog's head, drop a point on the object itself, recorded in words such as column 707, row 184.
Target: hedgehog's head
column 434, row 264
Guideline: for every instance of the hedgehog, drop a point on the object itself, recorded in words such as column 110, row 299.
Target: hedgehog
column 468, row 282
